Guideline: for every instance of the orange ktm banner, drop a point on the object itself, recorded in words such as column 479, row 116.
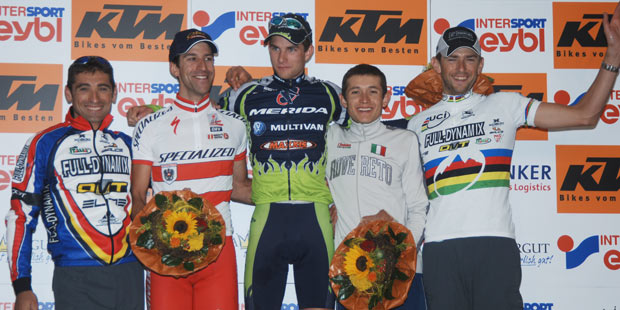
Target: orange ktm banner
column 138, row 30
column 391, row 32
column 30, row 97
column 578, row 36
column 588, row 178
column 532, row 85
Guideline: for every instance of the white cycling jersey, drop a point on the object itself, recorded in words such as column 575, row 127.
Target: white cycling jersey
column 372, row 167
column 466, row 143
column 192, row 146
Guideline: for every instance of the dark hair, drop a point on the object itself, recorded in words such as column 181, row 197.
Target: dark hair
column 306, row 43
column 90, row 64
column 364, row 69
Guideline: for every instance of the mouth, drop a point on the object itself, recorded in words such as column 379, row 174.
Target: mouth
column 93, row 108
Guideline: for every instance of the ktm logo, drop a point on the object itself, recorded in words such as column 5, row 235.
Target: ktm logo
column 128, row 26
column 608, row 169
column 369, row 30
column 30, row 97
column 25, row 95
column 580, row 31
column 588, row 178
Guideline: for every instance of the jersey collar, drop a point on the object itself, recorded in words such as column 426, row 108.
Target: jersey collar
column 457, row 98
column 191, row 106
column 363, row 132
column 290, row 82
column 81, row 123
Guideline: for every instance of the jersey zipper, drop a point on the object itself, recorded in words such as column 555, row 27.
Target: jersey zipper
column 102, row 191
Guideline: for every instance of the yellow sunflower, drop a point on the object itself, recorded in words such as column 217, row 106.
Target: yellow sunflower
column 195, row 242
column 181, row 224
column 356, row 265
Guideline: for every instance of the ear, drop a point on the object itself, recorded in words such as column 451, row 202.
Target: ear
column 68, row 95
column 174, row 70
column 386, row 100
column 343, row 101
column 308, row 54
column 481, row 65
column 114, row 95
column 436, row 65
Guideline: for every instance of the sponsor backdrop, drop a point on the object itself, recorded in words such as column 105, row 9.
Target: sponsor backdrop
column 564, row 185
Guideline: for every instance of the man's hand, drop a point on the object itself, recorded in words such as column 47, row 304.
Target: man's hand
column 237, row 76
column 137, row 113
column 612, row 33
column 381, row 215
column 333, row 214
column 26, row 300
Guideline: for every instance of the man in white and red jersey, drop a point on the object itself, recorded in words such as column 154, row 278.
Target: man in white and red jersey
column 190, row 144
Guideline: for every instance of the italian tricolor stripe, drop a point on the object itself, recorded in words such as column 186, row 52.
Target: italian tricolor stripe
column 378, row 149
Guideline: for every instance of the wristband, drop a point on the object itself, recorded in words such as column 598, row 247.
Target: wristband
column 609, row 67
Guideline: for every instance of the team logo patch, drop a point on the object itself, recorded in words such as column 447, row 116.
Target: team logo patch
column 344, row 145
column 287, row 96
column 215, row 129
column 74, row 150
column 467, row 113
column 215, row 121
column 378, row 149
column 259, row 128
column 483, row 140
column 82, row 138
column 286, row 145
column 112, row 148
column 435, row 120
column 169, row 173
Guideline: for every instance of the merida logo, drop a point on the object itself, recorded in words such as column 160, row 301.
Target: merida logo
column 275, row 111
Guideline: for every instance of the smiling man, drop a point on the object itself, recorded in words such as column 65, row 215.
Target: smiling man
column 287, row 115
column 471, row 259
column 76, row 176
column 374, row 170
column 191, row 144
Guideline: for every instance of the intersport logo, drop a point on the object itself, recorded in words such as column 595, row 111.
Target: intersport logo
column 33, row 23
column 136, row 30
column 30, row 97
column 386, row 32
column 503, row 34
column 532, row 85
column 578, row 35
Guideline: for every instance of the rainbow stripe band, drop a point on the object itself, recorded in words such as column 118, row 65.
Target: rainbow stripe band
column 527, row 111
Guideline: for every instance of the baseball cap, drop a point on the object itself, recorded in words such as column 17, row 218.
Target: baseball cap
column 186, row 39
column 291, row 26
column 456, row 37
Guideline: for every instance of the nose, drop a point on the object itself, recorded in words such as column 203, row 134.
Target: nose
column 202, row 64
column 365, row 97
column 460, row 65
column 281, row 56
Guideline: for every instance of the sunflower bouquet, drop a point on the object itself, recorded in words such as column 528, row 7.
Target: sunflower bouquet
column 374, row 266
column 177, row 233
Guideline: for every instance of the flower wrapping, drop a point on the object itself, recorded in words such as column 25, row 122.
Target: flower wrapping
column 374, row 266
column 177, row 233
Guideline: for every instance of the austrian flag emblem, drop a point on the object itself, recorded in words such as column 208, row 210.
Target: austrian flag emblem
column 378, row 149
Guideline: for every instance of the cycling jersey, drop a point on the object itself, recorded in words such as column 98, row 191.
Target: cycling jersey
column 77, row 179
column 192, row 146
column 466, row 144
column 287, row 122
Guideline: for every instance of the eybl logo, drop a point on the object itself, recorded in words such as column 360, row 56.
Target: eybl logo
column 575, row 257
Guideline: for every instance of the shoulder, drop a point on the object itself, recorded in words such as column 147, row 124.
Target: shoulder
column 331, row 86
column 234, row 117
column 153, row 118
column 500, row 96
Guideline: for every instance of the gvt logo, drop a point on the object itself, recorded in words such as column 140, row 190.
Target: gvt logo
column 575, row 257
column 24, row 95
column 129, row 27
column 370, row 31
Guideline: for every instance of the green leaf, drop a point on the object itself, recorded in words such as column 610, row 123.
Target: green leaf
column 374, row 300
column 369, row 235
column 170, row 260
column 346, row 291
column 392, row 234
column 217, row 239
column 196, row 202
column 341, row 279
column 161, row 201
column 145, row 240
column 388, row 290
column 349, row 243
column 175, row 198
column 189, row 266
column 401, row 237
column 399, row 275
